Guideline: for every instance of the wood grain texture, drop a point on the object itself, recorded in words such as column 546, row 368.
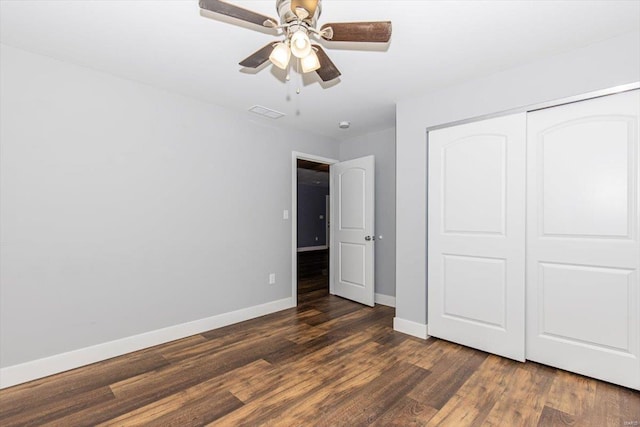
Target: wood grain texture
column 327, row 362
column 523, row 399
column 478, row 395
column 258, row 57
column 311, row 265
column 553, row 417
column 237, row 12
column 328, row 70
column 369, row 32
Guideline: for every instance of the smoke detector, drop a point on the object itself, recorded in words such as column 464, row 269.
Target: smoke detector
column 344, row 124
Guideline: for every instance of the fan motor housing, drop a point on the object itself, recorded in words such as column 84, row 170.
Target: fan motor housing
column 287, row 15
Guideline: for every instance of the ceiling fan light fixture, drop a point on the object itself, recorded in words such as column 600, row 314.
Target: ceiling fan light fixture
column 280, row 55
column 310, row 62
column 297, row 24
column 300, row 44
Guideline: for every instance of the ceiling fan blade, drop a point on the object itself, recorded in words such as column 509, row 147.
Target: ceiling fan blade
column 372, row 32
column 238, row 12
column 259, row 57
column 308, row 5
column 327, row 70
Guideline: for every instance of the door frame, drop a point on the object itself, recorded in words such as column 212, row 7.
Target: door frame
column 538, row 106
column 295, row 155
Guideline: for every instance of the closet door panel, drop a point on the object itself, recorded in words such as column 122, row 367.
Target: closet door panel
column 583, row 252
column 476, row 235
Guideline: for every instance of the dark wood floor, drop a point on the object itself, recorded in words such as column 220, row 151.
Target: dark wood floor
column 328, row 362
column 312, row 265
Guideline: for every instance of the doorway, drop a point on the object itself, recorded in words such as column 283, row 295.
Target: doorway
column 312, row 226
column 311, row 222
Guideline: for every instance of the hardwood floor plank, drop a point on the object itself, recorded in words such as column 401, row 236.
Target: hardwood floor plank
column 186, row 373
column 406, row 412
column 553, row 418
column 328, row 361
column 417, row 353
column 304, row 333
column 271, row 402
column 197, row 411
column 606, row 409
column 59, row 408
column 369, row 402
column 523, row 399
column 201, row 411
column 196, row 400
column 629, row 406
column 341, row 309
column 473, row 401
column 448, row 376
column 321, row 343
column 66, row 385
column 347, row 374
column 231, row 335
column 172, row 379
column 298, row 395
column 178, row 345
column 310, row 267
column 354, row 322
column 394, row 339
column 572, row 393
column 270, row 325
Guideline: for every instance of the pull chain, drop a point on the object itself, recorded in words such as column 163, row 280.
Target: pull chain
column 298, row 89
column 287, row 79
column 298, row 71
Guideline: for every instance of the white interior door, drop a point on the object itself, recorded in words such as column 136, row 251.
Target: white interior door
column 476, row 234
column 352, row 229
column 583, row 252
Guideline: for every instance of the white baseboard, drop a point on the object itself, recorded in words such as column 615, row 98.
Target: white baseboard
column 313, row 248
column 410, row 328
column 28, row 371
column 387, row 300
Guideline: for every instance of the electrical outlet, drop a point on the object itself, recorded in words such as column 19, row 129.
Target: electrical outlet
column 272, row 278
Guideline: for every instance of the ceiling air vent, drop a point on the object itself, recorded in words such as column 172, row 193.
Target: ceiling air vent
column 266, row 112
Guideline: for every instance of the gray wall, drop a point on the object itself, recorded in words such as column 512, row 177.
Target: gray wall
column 603, row 65
column 126, row 209
column 312, row 204
column 382, row 145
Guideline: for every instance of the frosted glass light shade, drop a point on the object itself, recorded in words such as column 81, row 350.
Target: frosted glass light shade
column 310, row 62
column 280, row 55
column 300, row 44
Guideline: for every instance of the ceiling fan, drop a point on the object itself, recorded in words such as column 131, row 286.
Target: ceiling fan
column 298, row 19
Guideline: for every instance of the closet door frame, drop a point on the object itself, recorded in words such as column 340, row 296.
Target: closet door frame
column 539, row 106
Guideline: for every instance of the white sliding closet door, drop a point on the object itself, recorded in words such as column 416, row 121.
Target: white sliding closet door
column 476, row 234
column 583, row 252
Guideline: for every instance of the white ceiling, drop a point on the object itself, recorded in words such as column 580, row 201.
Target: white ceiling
column 169, row 44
